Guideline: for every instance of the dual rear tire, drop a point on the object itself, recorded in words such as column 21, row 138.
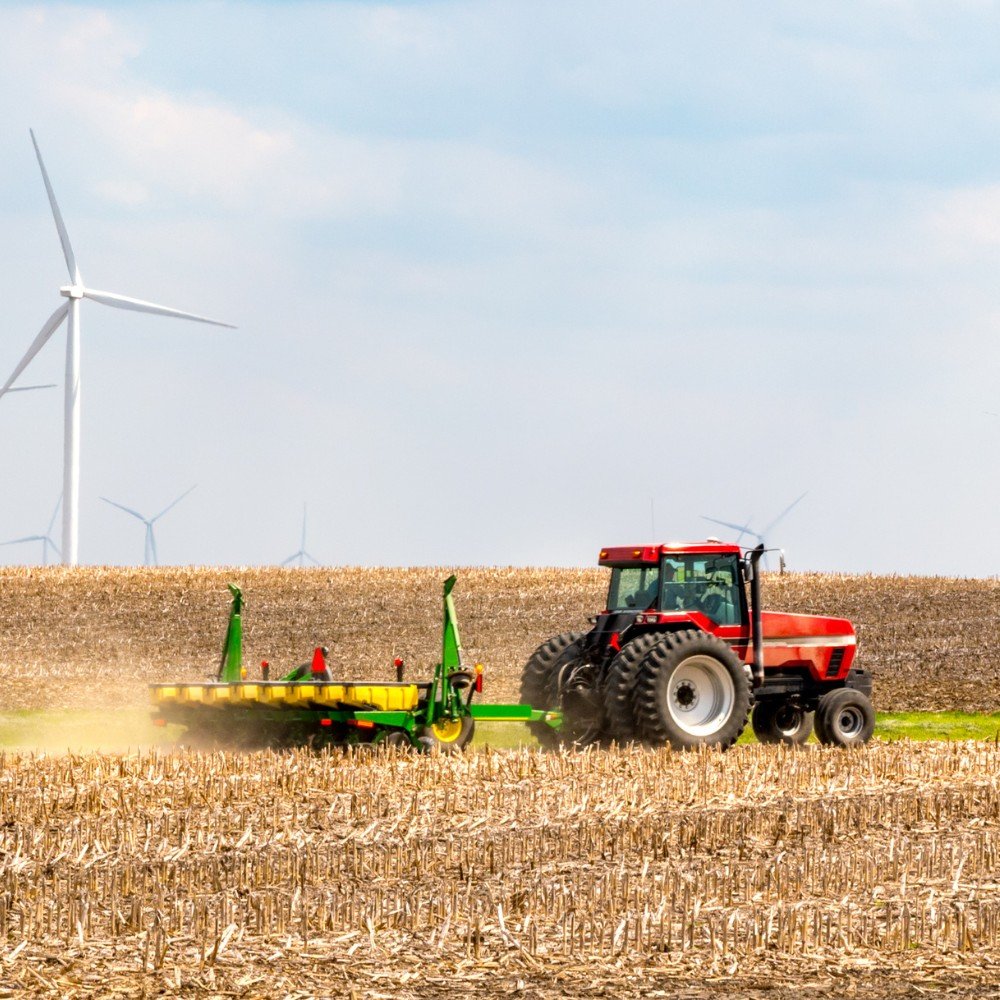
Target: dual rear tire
column 684, row 689
column 691, row 690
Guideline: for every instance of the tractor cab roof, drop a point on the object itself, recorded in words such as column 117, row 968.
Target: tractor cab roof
column 632, row 554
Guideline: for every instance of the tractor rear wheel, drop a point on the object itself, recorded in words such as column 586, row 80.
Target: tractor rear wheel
column 619, row 698
column 777, row 721
column 844, row 718
column 557, row 677
column 692, row 691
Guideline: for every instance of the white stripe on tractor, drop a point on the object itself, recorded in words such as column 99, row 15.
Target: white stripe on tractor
column 813, row 640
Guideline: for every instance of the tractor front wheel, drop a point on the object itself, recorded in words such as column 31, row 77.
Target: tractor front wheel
column 845, row 718
column 692, row 691
column 781, row 722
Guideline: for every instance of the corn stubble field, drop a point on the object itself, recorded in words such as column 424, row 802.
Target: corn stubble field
column 631, row 872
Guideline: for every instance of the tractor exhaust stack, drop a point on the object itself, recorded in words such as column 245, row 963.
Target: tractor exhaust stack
column 756, row 628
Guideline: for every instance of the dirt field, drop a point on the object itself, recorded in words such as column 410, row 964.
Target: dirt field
column 762, row 872
column 97, row 636
column 597, row 874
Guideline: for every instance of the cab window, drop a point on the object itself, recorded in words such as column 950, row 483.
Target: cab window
column 709, row 584
column 634, row 587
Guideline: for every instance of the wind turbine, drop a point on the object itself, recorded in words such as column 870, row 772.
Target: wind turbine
column 745, row 529
column 302, row 555
column 70, row 311
column 150, row 547
column 45, row 539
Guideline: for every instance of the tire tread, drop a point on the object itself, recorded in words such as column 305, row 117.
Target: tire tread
column 672, row 649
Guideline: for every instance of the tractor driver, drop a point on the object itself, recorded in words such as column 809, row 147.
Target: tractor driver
column 673, row 592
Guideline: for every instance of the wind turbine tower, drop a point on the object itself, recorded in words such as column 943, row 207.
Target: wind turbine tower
column 74, row 292
column 302, row 555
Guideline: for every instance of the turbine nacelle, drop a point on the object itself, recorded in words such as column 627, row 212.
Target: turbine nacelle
column 73, row 291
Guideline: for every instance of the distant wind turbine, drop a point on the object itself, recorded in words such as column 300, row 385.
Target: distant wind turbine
column 302, row 555
column 45, row 539
column 150, row 546
column 70, row 310
column 745, row 529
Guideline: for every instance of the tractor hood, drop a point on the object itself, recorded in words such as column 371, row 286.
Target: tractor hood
column 808, row 629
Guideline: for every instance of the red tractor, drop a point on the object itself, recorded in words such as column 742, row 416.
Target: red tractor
column 681, row 656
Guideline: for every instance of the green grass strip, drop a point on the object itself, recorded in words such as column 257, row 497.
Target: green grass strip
column 120, row 730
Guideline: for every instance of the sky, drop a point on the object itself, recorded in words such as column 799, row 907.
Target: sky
column 512, row 281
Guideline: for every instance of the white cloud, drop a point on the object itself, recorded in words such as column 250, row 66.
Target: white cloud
column 125, row 192
column 148, row 146
column 967, row 219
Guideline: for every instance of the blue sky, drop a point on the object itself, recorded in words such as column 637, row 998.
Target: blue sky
column 513, row 281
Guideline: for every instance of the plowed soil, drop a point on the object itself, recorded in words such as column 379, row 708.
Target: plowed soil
column 96, row 636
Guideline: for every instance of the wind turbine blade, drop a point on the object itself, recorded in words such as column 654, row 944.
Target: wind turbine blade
column 28, row 388
column 53, row 544
column 174, row 504
column 294, row 555
column 128, row 510
column 51, row 325
column 74, row 271
column 52, row 521
column 787, row 510
column 27, row 538
column 138, row 305
column 746, row 529
column 312, row 559
column 152, row 545
column 741, row 528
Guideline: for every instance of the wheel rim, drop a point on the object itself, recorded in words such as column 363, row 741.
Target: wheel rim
column 700, row 696
column 447, row 730
column 788, row 720
column 850, row 721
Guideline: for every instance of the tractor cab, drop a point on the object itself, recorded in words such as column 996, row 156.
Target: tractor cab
column 706, row 578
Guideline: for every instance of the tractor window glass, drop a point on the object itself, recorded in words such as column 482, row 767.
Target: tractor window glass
column 709, row 584
column 634, row 587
